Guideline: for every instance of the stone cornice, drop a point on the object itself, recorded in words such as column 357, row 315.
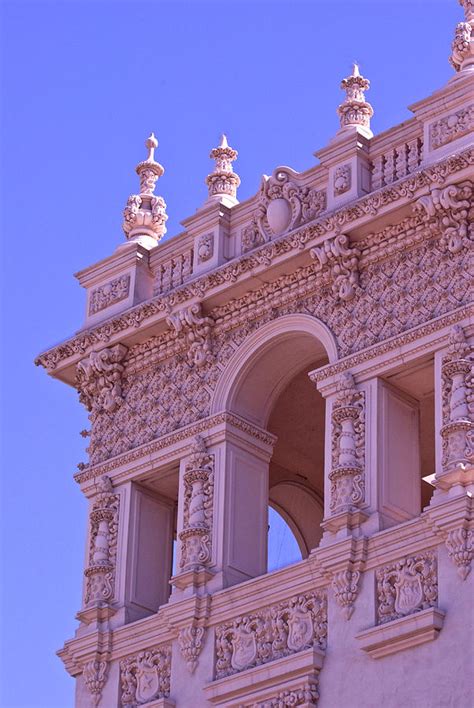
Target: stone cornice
column 166, row 443
column 279, row 249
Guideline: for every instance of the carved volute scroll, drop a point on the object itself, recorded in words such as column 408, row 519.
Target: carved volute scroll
column 196, row 535
column 100, row 572
column 348, row 447
column 458, row 403
column 196, row 330
column 450, row 211
column 99, row 379
column 340, row 260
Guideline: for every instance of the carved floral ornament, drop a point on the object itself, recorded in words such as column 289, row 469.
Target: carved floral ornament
column 269, row 634
column 196, row 331
column 345, row 586
column 103, row 520
column 407, row 586
column 451, row 127
column 190, row 641
column 94, row 673
column 145, row 676
column 451, row 211
column 110, row 293
column 196, row 536
column 348, row 447
column 306, row 695
column 462, row 55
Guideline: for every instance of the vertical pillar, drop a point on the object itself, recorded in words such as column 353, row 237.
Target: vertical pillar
column 223, row 509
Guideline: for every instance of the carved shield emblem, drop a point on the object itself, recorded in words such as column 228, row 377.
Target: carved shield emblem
column 148, row 683
column 244, row 649
column 409, row 592
column 300, row 630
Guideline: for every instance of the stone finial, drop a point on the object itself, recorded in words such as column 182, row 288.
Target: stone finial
column 355, row 112
column 462, row 55
column 145, row 213
column 223, row 182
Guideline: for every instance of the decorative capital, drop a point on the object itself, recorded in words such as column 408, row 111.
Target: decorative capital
column 222, row 183
column 355, row 112
column 145, row 213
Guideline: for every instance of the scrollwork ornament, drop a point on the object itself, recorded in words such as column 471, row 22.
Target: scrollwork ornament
column 460, row 545
column 196, row 330
column 94, row 673
column 340, row 260
column 145, row 677
column 407, row 586
column 190, row 641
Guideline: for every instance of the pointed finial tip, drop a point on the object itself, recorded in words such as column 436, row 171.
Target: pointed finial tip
column 151, row 141
column 355, row 68
column 223, row 141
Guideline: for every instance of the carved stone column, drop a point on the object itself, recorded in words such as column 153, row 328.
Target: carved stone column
column 457, row 432
column 347, row 457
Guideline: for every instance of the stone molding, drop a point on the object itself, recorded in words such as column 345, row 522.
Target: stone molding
column 403, row 633
column 264, row 255
column 183, row 435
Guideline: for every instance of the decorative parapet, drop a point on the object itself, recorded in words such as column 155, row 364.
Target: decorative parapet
column 196, row 536
column 407, row 586
column 272, row 633
column 451, row 211
column 145, row 213
column 340, row 261
column 457, row 403
column 451, row 127
column 348, row 447
column 99, row 379
column 283, row 204
column 172, row 272
column 462, row 55
column 103, row 519
column 94, row 674
column 145, row 677
column 196, row 330
column 397, row 162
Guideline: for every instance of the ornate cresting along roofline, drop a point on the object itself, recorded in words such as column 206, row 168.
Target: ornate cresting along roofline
column 285, row 247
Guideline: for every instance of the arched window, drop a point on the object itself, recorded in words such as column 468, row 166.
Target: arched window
column 283, row 548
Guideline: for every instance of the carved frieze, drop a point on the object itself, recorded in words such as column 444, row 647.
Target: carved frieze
column 451, row 211
column 458, row 402
column 196, row 330
column 271, row 633
column 451, row 127
column 94, row 674
column 145, row 677
column 348, row 447
column 190, row 641
column 109, row 294
column 407, row 586
column 340, row 260
column 99, row 379
column 103, row 519
column 196, row 535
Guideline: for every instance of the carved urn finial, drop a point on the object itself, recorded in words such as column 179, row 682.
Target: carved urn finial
column 355, row 112
column 462, row 55
column 145, row 213
column 223, row 182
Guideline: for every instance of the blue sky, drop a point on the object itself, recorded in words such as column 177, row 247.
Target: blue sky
column 83, row 85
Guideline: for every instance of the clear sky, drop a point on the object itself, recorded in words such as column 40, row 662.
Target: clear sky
column 83, row 85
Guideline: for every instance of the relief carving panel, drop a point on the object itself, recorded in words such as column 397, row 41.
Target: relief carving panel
column 407, row 586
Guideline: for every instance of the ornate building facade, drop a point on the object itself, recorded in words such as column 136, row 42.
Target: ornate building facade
column 309, row 349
